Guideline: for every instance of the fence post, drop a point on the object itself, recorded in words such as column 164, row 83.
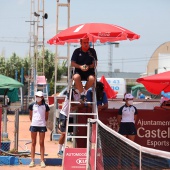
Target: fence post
column 16, row 134
column 4, row 133
column 0, row 124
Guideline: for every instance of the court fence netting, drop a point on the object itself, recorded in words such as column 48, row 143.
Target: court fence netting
column 113, row 151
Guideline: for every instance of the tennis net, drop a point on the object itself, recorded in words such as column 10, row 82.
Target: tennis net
column 114, row 151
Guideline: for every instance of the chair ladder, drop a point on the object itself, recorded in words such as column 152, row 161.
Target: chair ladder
column 76, row 125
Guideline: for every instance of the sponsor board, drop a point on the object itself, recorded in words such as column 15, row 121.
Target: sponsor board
column 75, row 158
column 153, row 127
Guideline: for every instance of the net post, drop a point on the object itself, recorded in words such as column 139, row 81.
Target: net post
column 96, row 140
column 88, row 144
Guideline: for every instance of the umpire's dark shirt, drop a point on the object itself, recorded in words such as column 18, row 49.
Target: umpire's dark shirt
column 80, row 57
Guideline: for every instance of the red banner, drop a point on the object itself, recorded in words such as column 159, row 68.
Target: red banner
column 59, row 101
column 153, row 127
column 75, row 158
column 153, row 131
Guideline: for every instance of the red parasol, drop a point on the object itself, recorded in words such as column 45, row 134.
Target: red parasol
column 95, row 31
column 157, row 83
column 111, row 94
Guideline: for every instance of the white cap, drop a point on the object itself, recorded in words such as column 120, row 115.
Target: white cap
column 39, row 93
column 128, row 96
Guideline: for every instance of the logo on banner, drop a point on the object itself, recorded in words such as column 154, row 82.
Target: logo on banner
column 81, row 161
column 112, row 123
column 75, row 158
column 104, row 34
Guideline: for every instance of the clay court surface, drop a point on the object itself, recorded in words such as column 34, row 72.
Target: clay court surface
column 51, row 147
column 24, row 167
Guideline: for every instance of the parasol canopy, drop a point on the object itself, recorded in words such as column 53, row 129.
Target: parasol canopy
column 8, row 82
column 157, row 83
column 94, row 31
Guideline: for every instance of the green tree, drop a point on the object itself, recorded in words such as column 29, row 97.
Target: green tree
column 8, row 67
column 49, row 65
column 2, row 65
column 26, row 64
column 12, row 64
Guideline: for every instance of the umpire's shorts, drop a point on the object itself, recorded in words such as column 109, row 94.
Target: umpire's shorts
column 85, row 74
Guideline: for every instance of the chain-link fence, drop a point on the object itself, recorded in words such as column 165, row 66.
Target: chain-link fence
column 9, row 129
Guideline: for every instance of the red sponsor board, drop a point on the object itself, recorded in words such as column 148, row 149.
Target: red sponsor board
column 59, row 101
column 50, row 100
column 75, row 158
column 153, row 131
column 153, row 127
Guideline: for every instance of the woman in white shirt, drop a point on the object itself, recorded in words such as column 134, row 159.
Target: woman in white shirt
column 38, row 112
column 127, row 116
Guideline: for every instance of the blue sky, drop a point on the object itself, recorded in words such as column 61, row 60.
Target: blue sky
column 148, row 18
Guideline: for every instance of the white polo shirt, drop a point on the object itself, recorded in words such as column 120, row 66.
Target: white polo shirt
column 38, row 114
column 128, row 113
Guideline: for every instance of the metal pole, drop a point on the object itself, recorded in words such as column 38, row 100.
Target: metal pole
column 4, row 133
column 88, row 145
column 22, row 98
column 43, row 47
column 22, row 75
column 16, row 134
column 0, row 125
column 57, row 57
column 55, row 75
column 95, row 110
column 68, row 45
column 95, row 157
